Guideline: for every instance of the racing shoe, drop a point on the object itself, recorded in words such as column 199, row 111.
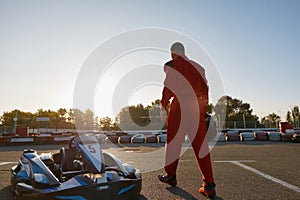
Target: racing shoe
column 171, row 180
column 208, row 189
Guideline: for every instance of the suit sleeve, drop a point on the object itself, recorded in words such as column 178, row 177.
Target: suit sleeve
column 169, row 81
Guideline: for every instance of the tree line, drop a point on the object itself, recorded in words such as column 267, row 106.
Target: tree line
column 239, row 114
column 235, row 113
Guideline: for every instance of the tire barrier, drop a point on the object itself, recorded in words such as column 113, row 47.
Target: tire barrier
column 286, row 137
column 4, row 140
column 138, row 138
column 261, row 136
column 222, row 137
column 33, row 140
column 290, row 135
column 22, row 139
column 274, row 136
column 247, row 136
column 232, row 136
column 44, row 140
column 162, row 138
column 112, row 138
column 124, row 139
column 296, row 137
column 151, row 139
column 290, row 131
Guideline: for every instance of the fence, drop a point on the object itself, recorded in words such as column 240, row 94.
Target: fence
column 244, row 124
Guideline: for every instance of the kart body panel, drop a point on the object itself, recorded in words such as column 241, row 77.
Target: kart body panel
column 81, row 172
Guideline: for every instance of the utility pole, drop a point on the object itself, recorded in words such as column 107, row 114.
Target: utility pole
column 244, row 121
column 15, row 119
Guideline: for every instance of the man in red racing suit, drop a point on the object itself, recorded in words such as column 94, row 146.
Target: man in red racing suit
column 186, row 87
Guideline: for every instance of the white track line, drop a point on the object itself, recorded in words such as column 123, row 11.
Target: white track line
column 267, row 176
column 231, row 161
column 6, row 163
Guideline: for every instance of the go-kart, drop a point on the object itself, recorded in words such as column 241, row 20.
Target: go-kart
column 79, row 172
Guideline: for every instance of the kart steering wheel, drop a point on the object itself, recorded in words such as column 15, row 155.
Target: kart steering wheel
column 63, row 158
column 71, row 143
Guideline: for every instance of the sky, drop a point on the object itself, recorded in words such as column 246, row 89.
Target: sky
column 45, row 46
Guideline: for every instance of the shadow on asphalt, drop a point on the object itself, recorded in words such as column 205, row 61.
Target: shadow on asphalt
column 218, row 198
column 142, row 197
column 181, row 193
column 6, row 193
column 184, row 194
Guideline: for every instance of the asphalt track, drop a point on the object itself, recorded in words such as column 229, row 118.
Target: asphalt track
column 242, row 170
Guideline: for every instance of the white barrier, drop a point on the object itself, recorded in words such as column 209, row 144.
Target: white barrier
column 60, row 139
column 21, row 140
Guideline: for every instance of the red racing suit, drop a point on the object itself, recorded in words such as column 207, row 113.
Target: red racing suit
column 186, row 87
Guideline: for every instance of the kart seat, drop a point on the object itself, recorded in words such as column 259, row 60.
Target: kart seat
column 67, row 158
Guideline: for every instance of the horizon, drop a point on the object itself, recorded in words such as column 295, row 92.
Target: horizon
column 145, row 105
